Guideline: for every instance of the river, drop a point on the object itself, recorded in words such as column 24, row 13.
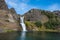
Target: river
column 30, row 36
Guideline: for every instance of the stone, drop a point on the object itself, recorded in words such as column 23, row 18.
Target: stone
column 35, row 15
column 3, row 5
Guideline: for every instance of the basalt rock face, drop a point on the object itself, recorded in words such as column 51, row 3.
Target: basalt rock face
column 32, row 15
column 3, row 5
column 8, row 18
column 39, row 15
column 7, row 21
column 35, row 15
column 44, row 17
column 13, row 12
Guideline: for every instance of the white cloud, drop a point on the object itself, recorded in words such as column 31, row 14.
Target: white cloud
column 11, row 3
column 53, row 7
column 21, row 7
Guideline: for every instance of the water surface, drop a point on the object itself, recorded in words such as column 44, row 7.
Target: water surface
column 30, row 36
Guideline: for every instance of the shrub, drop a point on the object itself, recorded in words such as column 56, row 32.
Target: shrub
column 38, row 23
column 29, row 23
column 49, row 15
column 51, row 24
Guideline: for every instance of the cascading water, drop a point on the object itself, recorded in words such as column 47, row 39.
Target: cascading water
column 22, row 23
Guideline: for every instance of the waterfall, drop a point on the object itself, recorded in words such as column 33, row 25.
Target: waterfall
column 22, row 23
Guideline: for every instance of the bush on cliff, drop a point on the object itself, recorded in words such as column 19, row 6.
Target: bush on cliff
column 49, row 14
column 30, row 25
column 38, row 23
column 51, row 24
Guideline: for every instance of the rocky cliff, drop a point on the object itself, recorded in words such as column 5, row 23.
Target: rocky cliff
column 3, row 5
column 47, row 19
column 8, row 18
column 15, row 15
column 40, row 15
column 35, row 19
column 35, row 15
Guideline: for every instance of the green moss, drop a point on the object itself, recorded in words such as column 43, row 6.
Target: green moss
column 29, row 23
column 38, row 23
column 50, row 25
column 8, row 30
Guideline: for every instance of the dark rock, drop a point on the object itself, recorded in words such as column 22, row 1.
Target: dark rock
column 13, row 12
column 3, row 5
column 34, row 15
column 8, row 17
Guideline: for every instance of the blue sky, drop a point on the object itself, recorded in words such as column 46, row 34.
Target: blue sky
column 22, row 6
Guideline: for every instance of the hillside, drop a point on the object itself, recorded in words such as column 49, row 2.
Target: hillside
column 34, row 19
column 43, row 19
column 8, row 18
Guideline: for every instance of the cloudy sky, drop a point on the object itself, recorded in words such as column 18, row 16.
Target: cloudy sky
column 22, row 6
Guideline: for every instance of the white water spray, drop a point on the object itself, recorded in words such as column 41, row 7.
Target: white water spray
column 22, row 23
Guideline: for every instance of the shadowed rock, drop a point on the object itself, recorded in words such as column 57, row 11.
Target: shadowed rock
column 3, row 5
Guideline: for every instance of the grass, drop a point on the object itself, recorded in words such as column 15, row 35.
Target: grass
column 42, row 28
column 8, row 30
column 29, row 24
column 48, row 30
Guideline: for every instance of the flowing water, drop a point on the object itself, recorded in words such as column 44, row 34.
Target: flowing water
column 22, row 23
column 30, row 36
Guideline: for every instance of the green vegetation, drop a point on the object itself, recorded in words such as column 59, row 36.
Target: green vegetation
column 51, row 24
column 49, row 14
column 8, row 30
column 53, row 20
column 30, row 25
column 38, row 23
